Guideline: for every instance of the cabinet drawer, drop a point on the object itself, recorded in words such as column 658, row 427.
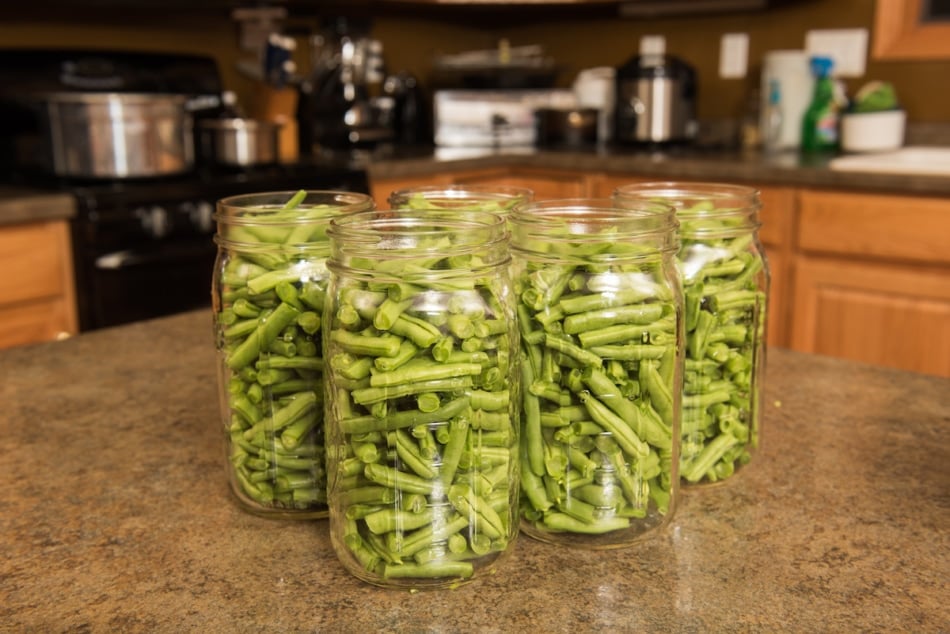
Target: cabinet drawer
column 912, row 228
column 893, row 315
column 32, row 261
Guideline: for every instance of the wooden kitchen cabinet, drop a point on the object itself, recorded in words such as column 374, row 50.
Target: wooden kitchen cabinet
column 864, row 276
column 872, row 279
column 37, row 293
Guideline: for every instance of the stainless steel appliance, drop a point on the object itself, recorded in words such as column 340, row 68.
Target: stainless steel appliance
column 142, row 245
column 237, row 141
column 493, row 118
column 343, row 104
column 113, row 135
column 655, row 101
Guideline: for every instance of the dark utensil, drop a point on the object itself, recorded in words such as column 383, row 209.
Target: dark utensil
column 576, row 127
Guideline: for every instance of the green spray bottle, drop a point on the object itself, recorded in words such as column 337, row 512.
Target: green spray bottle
column 820, row 121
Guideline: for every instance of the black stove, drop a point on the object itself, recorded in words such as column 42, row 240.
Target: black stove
column 143, row 247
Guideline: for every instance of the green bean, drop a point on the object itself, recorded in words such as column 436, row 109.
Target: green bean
column 588, row 385
column 445, row 411
column 725, row 306
column 269, row 325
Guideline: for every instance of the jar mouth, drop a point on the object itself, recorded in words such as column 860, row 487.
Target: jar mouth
column 565, row 220
column 289, row 208
column 691, row 198
column 471, row 196
column 468, row 227
column 727, row 207
column 419, row 235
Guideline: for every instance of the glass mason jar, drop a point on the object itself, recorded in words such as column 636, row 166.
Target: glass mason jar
column 268, row 291
column 423, row 403
column 600, row 311
column 475, row 197
column 725, row 279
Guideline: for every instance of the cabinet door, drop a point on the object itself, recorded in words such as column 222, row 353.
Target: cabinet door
column 37, row 293
column 885, row 314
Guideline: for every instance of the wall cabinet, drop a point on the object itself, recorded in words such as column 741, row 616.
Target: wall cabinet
column 38, row 295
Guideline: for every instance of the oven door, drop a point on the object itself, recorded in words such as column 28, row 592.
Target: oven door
column 146, row 281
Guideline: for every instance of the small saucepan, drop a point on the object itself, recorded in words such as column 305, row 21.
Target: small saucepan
column 238, row 142
column 574, row 127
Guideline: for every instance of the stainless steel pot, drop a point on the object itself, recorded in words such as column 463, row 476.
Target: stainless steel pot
column 655, row 100
column 238, row 142
column 117, row 135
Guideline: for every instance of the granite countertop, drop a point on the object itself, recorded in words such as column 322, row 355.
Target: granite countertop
column 789, row 168
column 24, row 204
column 117, row 517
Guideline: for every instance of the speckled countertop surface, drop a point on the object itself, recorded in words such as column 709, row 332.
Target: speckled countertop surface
column 116, row 516
column 787, row 168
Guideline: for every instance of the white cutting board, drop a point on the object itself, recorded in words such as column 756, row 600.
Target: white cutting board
column 931, row 161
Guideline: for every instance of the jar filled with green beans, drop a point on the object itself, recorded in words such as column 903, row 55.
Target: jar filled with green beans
column 268, row 292
column 726, row 285
column 472, row 196
column 600, row 312
column 423, row 396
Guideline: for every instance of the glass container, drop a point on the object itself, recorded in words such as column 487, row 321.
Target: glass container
column 725, row 279
column 268, row 292
column 423, row 405
column 474, row 197
column 600, row 312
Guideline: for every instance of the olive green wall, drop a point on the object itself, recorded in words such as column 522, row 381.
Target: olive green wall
column 411, row 42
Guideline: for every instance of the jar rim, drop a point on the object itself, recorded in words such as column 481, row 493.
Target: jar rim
column 543, row 210
column 566, row 221
column 725, row 197
column 371, row 227
column 270, row 207
column 466, row 190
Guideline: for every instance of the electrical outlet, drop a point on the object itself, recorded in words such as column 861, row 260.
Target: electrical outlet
column 652, row 45
column 734, row 55
column 847, row 47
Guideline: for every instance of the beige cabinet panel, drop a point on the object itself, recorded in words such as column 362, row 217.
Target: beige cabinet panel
column 877, row 313
column 912, row 228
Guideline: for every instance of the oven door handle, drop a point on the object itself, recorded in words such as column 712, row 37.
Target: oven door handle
column 118, row 260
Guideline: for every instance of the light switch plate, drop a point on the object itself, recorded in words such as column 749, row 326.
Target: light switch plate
column 653, row 45
column 734, row 55
column 847, row 47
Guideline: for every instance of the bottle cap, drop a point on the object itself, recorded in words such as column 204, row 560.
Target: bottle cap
column 821, row 65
